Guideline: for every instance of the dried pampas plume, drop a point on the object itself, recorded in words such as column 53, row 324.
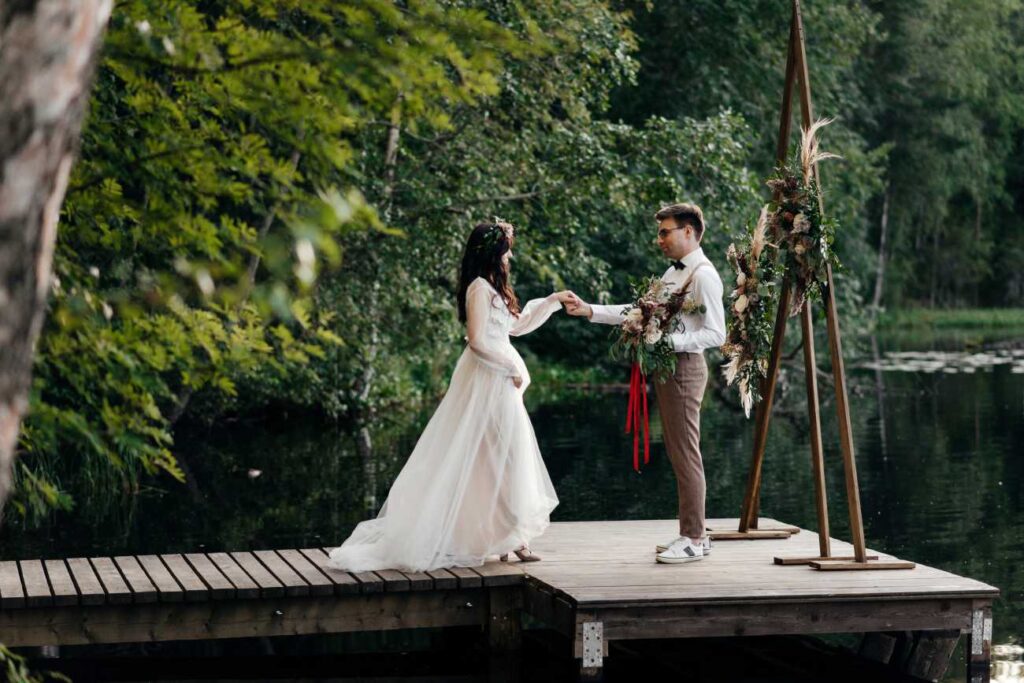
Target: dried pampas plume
column 809, row 153
column 758, row 239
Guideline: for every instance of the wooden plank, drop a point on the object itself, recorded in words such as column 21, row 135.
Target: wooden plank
column 318, row 582
column 270, row 587
column 37, row 588
column 63, row 587
column 369, row 582
column 220, row 587
column 12, row 593
column 500, row 574
column 343, row 581
column 142, row 588
column 191, row 584
column 748, row 620
column 116, row 589
column 288, row 577
column 167, row 588
column 245, row 587
column 443, row 579
column 882, row 565
column 90, row 590
column 467, row 577
column 751, row 534
column 419, row 581
column 792, row 561
column 271, row 617
column 660, row 597
column 394, row 581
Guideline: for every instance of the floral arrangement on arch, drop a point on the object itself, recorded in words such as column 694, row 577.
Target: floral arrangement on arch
column 792, row 227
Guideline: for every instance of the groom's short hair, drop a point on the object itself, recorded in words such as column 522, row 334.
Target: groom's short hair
column 685, row 214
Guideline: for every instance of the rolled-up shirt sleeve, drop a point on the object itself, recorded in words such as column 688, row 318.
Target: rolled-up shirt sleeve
column 608, row 314
column 707, row 290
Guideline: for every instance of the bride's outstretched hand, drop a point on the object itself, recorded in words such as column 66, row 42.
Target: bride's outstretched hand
column 568, row 299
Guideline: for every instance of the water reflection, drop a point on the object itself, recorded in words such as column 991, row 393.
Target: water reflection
column 938, row 441
column 951, row 362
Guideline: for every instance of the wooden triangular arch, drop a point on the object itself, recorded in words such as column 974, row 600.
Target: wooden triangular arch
column 797, row 74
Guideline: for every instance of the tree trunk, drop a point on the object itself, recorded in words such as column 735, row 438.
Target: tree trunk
column 365, row 413
column 48, row 52
column 876, row 301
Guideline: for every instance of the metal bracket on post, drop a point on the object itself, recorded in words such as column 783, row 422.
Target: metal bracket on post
column 979, row 658
column 593, row 644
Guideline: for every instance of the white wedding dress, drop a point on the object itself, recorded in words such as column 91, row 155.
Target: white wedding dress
column 475, row 484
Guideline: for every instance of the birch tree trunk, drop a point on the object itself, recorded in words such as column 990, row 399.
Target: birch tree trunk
column 882, row 246
column 48, row 53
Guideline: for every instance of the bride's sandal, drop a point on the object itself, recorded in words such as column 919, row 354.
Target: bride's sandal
column 525, row 555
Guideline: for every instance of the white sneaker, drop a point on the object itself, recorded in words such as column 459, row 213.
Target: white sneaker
column 682, row 550
column 705, row 544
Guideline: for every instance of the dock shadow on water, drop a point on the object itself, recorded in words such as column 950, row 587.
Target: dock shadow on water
column 939, row 430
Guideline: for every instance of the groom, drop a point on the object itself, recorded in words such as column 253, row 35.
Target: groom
column 680, row 229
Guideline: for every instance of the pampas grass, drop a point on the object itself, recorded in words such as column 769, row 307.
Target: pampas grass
column 809, row 152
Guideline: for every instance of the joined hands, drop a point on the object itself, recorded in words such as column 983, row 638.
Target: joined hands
column 573, row 304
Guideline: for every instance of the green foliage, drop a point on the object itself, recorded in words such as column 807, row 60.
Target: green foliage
column 272, row 197
column 202, row 211
column 950, row 101
column 962, row 319
column 16, row 670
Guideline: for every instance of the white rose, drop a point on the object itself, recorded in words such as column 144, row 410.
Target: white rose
column 741, row 279
column 635, row 315
column 800, row 223
column 653, row 335
column 741, row 303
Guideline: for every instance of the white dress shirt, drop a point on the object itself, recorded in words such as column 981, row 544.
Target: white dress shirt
column 693, row 333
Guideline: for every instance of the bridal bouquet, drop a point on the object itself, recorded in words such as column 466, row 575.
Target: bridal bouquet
column 643, row 339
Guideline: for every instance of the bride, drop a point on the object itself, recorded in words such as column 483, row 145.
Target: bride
column 475, row 484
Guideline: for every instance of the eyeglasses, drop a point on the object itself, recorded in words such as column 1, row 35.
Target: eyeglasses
column 663, row 233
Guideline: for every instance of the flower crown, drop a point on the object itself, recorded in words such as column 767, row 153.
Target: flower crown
column 491, row 237
column 506, row 227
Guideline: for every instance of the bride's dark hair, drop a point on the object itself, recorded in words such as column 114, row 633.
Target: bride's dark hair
column 483, row 258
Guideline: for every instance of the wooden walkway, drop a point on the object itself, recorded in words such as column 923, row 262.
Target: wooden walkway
column 598, row 583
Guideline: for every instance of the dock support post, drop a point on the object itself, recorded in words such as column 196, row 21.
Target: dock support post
column 979, row 644
column 590, row 648
column 504, row 633
column 504, row 622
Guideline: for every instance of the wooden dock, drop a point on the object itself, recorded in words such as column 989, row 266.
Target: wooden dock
column 598, row 583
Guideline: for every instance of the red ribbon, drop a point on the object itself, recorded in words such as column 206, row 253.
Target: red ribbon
column 638, row 399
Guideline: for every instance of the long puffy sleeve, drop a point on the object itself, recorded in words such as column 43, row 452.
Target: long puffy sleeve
column 478, row 307
column 534, row 314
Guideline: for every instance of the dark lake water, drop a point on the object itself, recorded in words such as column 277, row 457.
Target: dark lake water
column 939, row 433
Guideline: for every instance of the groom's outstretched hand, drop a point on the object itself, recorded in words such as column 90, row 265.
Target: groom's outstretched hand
column 578, row 307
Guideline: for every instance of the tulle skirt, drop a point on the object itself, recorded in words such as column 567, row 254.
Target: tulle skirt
column 474, row 486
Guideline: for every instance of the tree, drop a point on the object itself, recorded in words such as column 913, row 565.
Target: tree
column 217, row 181
column 947, row 85
column 47, row 58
